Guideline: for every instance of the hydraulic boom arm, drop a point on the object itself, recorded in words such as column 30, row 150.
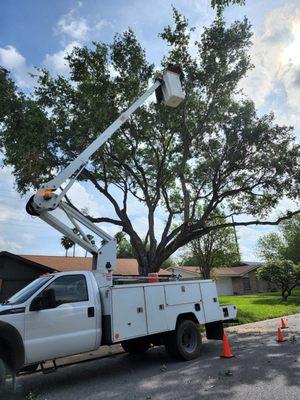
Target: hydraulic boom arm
column 168, row 90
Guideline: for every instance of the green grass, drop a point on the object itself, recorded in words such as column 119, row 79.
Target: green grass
column 263, row 306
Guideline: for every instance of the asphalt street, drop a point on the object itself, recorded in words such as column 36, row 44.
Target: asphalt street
column 262, row 369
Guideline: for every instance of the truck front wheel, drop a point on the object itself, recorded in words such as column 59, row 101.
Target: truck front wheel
column 136, row 346
column 3, row 374
column 185, row 342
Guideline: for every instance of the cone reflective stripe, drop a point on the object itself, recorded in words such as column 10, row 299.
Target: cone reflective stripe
column 283, row 324
column 280, row 337
column 226, row 352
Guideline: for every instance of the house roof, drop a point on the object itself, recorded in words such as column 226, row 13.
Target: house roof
column 31, row 263
column 234, row 271
column 124, row 266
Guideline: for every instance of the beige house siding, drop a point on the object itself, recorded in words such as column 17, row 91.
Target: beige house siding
column 237, row 285
column 253, row 282
column 256, row 286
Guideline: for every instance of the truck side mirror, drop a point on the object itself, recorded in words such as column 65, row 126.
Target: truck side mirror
column 44, row 301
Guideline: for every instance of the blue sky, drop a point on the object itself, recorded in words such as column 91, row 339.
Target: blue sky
column 41, row 33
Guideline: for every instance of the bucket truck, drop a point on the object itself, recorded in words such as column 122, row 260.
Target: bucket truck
column 67, row 313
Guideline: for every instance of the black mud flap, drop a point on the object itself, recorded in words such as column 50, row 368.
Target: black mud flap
column 106, row 330
column 214, row 330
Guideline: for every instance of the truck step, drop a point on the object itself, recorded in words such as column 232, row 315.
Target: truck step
column 50, row 369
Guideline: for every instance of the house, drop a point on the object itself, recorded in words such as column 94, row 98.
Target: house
column 239, row 279
column 16, row 271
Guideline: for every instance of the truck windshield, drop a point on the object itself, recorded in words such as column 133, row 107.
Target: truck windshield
column 27, row 291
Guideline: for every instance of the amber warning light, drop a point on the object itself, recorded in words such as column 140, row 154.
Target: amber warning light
column 46, row 194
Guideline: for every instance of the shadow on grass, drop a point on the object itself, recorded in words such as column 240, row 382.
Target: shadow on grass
column 292, row 301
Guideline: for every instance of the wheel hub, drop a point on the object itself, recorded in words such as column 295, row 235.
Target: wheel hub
column 189, row 340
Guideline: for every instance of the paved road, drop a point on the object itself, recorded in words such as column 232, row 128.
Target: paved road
column 261, row 370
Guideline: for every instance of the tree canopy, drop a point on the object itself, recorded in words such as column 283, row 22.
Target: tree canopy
column 282, row 273
column 219, row 5
column 213, row 150
column 284, row 244
column 66, row 243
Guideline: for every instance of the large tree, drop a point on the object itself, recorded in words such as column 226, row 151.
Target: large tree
column 284, row 244
column 213, row 150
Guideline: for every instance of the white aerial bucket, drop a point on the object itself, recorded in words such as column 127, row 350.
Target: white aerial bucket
column 173, row 93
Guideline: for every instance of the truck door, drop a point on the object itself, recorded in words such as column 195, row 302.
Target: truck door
column 129, row 314
column 156, row 309
column 68, row 327
column 210, row 300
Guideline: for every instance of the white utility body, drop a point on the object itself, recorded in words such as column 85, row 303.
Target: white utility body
column 67, row 313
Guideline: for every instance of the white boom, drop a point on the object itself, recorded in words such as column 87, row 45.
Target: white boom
column 169, row 91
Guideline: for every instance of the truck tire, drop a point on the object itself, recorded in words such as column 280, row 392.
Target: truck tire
column 136, row 346
column 3, row 373
column 185, row 342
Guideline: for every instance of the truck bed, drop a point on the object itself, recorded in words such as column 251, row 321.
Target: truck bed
column 143, row 308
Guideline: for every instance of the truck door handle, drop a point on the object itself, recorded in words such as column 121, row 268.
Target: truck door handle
column 91, row 312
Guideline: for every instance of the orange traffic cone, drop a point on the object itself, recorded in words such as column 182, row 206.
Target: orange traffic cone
column 280, row 337
column 283, row 324
column 226, row 353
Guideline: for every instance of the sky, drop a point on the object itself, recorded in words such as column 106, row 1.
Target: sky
column 36, row 33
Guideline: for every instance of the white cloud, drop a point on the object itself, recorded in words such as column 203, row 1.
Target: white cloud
column 73, row 31
column 283, row 207
column 275, row 54
column 6, row 245
column 73, row 27
column 56, row 62
column 11, row 58
column 14, row 229
column 84, row 196
column 15, row 62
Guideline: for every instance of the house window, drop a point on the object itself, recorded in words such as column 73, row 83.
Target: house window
column 246, row 283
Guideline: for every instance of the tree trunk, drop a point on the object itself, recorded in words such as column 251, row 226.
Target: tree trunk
column 206, row 273
column 291, row 288
column 284, row 295
column 148, row 265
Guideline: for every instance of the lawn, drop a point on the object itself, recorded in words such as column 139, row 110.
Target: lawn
column 263, row 306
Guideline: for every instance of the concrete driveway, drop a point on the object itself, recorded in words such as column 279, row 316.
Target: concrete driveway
column 261, row 369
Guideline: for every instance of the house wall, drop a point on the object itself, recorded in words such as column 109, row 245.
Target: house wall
column 14, row 275
column 224, row 285
column 237, row 285
column 253, row 282
column 256, row 286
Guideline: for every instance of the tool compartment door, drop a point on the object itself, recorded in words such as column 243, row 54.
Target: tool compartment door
column 156, row 309
column 210, row 301
column 182, row 293
column 129, row 313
